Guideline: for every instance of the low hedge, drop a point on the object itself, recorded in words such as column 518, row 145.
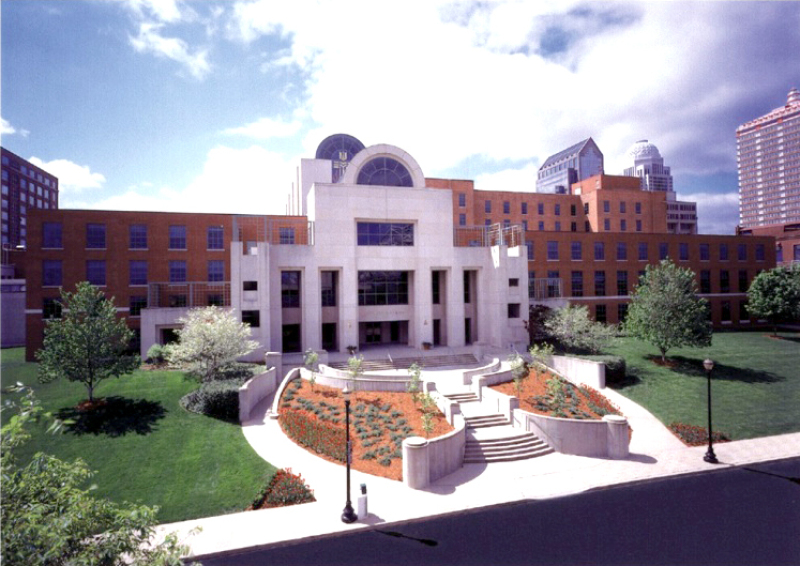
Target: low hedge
column 218, row 399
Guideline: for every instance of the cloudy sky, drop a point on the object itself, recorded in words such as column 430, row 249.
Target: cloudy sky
column 208, row 106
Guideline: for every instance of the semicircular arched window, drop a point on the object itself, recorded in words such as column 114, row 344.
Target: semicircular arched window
column 386, row 172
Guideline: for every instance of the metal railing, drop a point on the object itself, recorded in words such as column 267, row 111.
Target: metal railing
column 545, row 288
column 189, row 295
column 487, row 236
column 292, row 230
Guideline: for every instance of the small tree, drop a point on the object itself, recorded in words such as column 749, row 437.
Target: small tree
column 666, row 311
column 414, row 385
column 355, row 369
column 574, row 329
column 210, row 342
column 775, row 295
column 88, row 343
column 540, row 354
column 311, row 363
column 519, row 371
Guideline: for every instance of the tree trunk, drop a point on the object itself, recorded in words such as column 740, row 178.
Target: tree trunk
column 663, row 356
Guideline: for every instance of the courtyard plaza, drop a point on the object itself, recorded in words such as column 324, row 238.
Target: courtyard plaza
column 655, row 453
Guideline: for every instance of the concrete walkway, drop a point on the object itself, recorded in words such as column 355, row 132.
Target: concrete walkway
column 654, row 453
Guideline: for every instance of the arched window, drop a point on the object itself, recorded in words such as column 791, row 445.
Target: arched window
column 386, row 172
column 340, row 149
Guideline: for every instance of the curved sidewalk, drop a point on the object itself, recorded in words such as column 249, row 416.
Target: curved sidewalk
column 655, row 453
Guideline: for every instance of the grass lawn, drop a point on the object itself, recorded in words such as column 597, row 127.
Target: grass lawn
column 755, row 382
column 148, row 449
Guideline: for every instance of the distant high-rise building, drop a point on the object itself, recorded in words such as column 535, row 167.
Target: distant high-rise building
column 576, row 163
column 648, row 165
column 768, row 154
column 25, row 186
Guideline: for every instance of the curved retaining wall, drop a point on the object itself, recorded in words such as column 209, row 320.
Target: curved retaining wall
column 606, row 438
column 255, row 390
column 369, row 382
column 276, row 403
column 427, row 460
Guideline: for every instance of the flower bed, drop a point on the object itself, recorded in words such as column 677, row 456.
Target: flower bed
column 692, row 435
column 285, row 489
column 314, row 417
column 546, row 394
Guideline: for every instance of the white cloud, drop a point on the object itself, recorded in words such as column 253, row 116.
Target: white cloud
column 72, row 178
column 233, row 181
column 168, row 11
column 265, row 128
column 6, row 129
column 150, row 40
column 717, row 213
column 514, row 180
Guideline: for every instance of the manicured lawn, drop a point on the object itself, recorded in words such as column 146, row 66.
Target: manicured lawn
column 755, row 383
column 147, row 448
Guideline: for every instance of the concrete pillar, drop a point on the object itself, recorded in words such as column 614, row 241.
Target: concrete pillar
column 618, row 438
column 416, row 462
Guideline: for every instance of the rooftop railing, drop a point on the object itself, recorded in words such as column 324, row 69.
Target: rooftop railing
column 189, row 295
column 487, row 236
column 296, row 231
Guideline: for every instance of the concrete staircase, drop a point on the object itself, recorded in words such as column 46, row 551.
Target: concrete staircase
column 424, row 362
column 468, row 397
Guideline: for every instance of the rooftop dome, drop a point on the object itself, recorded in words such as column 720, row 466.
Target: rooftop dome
column 793, row 98
column 643, row 149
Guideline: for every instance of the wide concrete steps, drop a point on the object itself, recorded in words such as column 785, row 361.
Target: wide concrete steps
column 520, row 446
column 468, row 397
column 424, row 362
column 485, row 421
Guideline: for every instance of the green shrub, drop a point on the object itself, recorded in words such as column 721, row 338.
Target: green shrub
column 155, row 355
column 218, row 399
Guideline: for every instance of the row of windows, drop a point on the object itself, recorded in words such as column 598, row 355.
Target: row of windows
column 52, row 272
column 576, row 251
column 52, row 236
column 385, row 234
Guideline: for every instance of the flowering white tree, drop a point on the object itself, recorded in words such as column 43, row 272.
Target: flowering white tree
column 211, row 341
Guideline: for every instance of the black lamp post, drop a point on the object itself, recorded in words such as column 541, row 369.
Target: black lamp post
column 348, row 515
column 710, row 457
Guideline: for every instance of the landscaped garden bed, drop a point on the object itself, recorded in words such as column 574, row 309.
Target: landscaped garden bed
column 544, row 393
column 285, row 488
column 314, row 417
column 692, row 435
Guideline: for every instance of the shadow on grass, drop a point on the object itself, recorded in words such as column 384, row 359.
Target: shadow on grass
column 694, row 368
column 118, row 416
column 630, row 380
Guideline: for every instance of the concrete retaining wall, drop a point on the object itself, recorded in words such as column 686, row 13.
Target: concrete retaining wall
column 255, row 390
column 276, row 403
column 427, row 460
column 582, row 372
column 370, row 382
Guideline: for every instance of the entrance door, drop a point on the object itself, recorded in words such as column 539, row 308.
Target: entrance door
column 468, row 331
column 437, row 332
column 394, row 331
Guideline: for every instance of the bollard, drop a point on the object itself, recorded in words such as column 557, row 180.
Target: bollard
column 362, row 502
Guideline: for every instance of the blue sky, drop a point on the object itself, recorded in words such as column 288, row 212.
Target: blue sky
column 208, row 106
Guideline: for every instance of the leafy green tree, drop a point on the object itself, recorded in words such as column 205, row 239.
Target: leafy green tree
column 311, row 363
column 540, row 353
column 210, row 342
column 775, row 295
column 88, row 343
column 50, row 518
column 519, row 371
column 666, row 311
column 574, row 329
column 414, row 385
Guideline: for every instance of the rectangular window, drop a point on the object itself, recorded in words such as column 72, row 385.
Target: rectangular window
column 600, row 313
column 252, row 318
column 462, row 219
column 600, row 283
column 96, row 236
column 531, row 284
column 726, row 311
column 385, row 234
column 51, row 273
column 638, row 225
column 553, row 284
column 382, row 288
column 462, row 200
column 51, row 308
column 663, row 251
column 96, row 271
column 529, row 246
column 599, row 251
column 249, row 285
column 216, row 270
column 137, row 272
column 724, row 281
column 642, row 251
column 743, row 282
column 286, row 235
column 705, row 281
column 606, row 206
column 586, row 208
column 622, row 251
column 759, row 252
column 723, row 252
column 552, row 250
column 136, row 303
column 683, row 252
column 622, row 312
column 638, row 207
column 467, row 288
column 487, row 207
column 744, row 315
column 622, row 207
column 576, row 251
column 328, row 285
column 796, row 252
column 541, row 225
column 622, row 283
column 137, row 237
column 177, row 237
column 573, row 226
column 524, row 208
column 705, row 253
column 577, row 283
column 742, row 252
column 513, row 310
column 607, row 224
column 290, row 289
column 214, row 238
column 540, row 208
column 525, row 225
column 51, row 235
column 215, row 300
column 623, row 225
column 436, row 297
column 177, row 271
column 558, row 209
column 513, row 282
column 573, row 210
column 558, row 226
column 506, row 207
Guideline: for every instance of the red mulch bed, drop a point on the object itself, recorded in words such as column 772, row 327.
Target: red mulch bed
column 401, row 402
column 535, row 385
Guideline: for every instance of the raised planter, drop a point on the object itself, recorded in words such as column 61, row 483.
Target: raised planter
column 427, row 460
column 255, row 390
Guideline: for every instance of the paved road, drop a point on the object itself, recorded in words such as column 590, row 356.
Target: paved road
column 742, row 516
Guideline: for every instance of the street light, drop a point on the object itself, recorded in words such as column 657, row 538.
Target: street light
column 348, row 515
column 710, row 457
